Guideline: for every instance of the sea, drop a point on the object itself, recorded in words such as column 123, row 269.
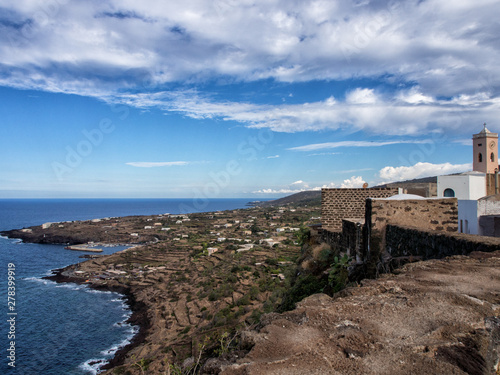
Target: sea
column 53, row 329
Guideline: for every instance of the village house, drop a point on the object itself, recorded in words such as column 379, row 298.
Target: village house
column 476, row 190
column 212, row 250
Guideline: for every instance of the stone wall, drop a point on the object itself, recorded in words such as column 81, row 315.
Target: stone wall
column 428, row 244
column 427, row 214
column 436, row 214
column 396, row 231
column 338, row 204
column 489, row 205
column 489, row 225
column 353, row 238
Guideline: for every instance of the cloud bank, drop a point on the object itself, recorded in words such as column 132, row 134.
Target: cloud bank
column 420, row 170
column 441, row 57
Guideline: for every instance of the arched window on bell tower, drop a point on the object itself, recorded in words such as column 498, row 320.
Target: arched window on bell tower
column 492, row 157
column 480, row 158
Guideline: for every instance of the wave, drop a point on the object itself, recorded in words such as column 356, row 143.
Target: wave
column 111, row 351
column 40, row 280
column 89, row 290
column 132, row 331
column 92, row 365
column 69, row 286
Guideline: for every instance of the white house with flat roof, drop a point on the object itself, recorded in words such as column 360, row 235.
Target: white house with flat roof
column 468, row 185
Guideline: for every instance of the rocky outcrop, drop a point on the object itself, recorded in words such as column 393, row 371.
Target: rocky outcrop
column 433, row 317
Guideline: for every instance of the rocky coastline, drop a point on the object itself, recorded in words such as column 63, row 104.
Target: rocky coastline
column 190, row 279
column 139, row 310
column 204, row 294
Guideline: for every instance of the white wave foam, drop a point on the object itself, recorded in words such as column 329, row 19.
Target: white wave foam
column 111, row 351
column 40, row 280
column 69, row 286
column 88, row 290
column 94, row 367
column 133, row 330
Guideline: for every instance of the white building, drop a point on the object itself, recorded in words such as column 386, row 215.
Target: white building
column 478, row 216
column 468, row 185
column 476, row 210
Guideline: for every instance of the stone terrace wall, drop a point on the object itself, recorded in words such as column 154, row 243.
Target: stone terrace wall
column 406, row 241
column 338, row 204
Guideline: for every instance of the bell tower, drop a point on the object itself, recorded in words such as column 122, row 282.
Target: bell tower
column 485, row 151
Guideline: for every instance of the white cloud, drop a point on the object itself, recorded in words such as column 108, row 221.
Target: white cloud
column 327, row 145
column 353, row 182
column 420, row 170
column 361, row 96
column 149, row 164
column 293, row 188
column 448, row 53
column 414, row 96
column 324, row 153
column 390, row 116
column 464, row 142
column 273, row 157
column 278, row 191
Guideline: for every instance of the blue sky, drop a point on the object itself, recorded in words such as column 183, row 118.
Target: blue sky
column 240, row 98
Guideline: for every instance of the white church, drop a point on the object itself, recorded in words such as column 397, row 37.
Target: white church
column 477, row 191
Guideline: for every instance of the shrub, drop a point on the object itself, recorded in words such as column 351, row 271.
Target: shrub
column 303, row 235
column 245, row 300
column 235, row 269
column 339, row 274
column 253, row 293
column 304, row 286
column 272, row 261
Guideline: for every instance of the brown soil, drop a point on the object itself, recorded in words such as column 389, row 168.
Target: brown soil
column 434, row 317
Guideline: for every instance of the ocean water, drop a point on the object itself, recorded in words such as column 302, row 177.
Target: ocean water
column 65, row 328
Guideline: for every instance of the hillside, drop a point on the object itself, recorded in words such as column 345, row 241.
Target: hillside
column 433, row 317
column 191, row 280
column 311, row 198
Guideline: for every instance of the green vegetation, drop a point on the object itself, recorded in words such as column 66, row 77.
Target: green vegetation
column 302, row 287
column 338, row 275
column 303, row 235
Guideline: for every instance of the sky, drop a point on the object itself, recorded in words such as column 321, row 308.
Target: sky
column 240, row 98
